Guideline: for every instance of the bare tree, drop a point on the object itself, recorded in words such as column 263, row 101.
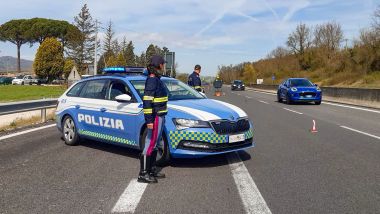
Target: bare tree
column 279, row 52
column 300, row 39
column 376, row 19
column 328, row 35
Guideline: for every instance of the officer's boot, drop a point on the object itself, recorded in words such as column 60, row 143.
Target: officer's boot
column 155, row 172
column 145, row 167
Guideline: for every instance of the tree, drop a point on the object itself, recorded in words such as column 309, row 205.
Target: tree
column 249, row 73
column 82, row 48
column 120, row 60
column 49, row 60
column 299, row 42
column 107, row 43
column 14, row 31
column 129, row 54
column 142, row 60
column 328, row 36
column 150, row 51
column 68, row 66
column 112, row 61
column 300, row 39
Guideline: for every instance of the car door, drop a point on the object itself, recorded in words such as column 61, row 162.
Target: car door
column 123, row 113
column 88, row 108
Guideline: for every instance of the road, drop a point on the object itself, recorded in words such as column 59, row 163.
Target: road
column 335, row 170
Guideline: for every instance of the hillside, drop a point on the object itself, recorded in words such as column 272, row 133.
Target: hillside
column 9, row 63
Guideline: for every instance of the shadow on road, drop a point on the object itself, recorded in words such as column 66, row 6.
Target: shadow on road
column 115, row 149
column 207, row 162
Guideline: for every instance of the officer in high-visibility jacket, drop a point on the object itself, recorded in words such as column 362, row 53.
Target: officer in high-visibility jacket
column 194, row 80
column 155, row 108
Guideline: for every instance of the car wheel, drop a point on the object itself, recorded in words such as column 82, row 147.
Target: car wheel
column 30, row 83
column 163, row 154
column 69, row 131
column 22, row 83
column 317, row 102
column 279, row 99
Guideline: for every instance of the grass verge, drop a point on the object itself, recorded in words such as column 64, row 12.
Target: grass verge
column 11, row 93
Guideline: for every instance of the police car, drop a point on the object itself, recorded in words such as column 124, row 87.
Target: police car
column 108, row 108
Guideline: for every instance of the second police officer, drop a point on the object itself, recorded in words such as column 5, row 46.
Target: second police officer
column 194, row 80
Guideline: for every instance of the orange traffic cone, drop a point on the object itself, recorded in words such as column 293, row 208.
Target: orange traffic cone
column 314, row 129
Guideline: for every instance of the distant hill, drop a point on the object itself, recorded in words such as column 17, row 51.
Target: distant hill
column 9, row 63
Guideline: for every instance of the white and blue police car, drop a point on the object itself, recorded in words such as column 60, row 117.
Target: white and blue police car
column 108, row 108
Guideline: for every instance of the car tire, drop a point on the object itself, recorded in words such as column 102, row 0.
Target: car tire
column 279, row 99
column 163, row 154
column 318, row 102
column 69, row 132
column 22, row 83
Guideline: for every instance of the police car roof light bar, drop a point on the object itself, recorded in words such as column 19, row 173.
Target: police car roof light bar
column 121, row 70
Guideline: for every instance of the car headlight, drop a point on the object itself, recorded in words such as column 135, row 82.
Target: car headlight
column 293, row 89
column 181, row 123
column 319, row 89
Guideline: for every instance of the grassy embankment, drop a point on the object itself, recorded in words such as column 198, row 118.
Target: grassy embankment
column 12, row 93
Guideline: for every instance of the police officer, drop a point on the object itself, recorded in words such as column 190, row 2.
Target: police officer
column 194, row 80
column 155, row 108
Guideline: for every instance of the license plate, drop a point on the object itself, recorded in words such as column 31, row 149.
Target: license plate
column 236, row 138
column 308, row 96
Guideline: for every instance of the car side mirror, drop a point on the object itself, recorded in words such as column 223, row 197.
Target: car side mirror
column 123, row 98
column 315, row 84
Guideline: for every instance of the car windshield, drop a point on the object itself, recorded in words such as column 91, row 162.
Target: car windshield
column 20, row 77
column 177, row 90
column 238, row 82
column 300, row 83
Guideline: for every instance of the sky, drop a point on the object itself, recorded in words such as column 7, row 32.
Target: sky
column 205, row 32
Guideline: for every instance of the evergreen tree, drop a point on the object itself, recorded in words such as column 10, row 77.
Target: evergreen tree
column 129, row 54
column 82, row 49
column 107, row 44
column 150, row 51
column 112, row 61
column 49, row 60
column 120, row 60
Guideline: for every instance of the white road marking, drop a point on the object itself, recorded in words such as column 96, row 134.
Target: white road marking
column 293, row 111
column 26, row 131
column 130, row 198
column 252, row 199
column 263, row 102
column 263, row 92
column 248, row 97
column 365, row 133
column 352, row 107
column 238, row 94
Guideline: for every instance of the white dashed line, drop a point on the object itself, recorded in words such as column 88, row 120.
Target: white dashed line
column 293, row 111
column 263, row 102
column 352, row 107
column 130, row 198
column 365, row 133
column 26, row 131
column 248, row 97
column 252, row 199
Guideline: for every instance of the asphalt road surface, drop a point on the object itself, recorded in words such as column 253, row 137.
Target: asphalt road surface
column 291, row 170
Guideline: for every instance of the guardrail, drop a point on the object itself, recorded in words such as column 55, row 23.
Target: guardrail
column 25, row 106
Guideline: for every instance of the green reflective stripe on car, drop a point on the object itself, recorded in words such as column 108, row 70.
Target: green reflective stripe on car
column 177, row 136
column 107, row 137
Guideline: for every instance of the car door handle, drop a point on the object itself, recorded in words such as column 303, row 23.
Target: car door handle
column 77, row 106
column 103, row 109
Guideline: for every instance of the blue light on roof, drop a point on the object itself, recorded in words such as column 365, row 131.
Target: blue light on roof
column 124, row 70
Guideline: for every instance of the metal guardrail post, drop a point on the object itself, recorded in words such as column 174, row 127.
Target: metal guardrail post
column 43, row 115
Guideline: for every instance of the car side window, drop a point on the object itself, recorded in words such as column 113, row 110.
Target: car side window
column 74, row 91
column 117, row 88
column 94, row 89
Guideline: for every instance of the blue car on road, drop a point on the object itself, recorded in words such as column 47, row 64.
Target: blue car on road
column 108, row 108
column 299, row 90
